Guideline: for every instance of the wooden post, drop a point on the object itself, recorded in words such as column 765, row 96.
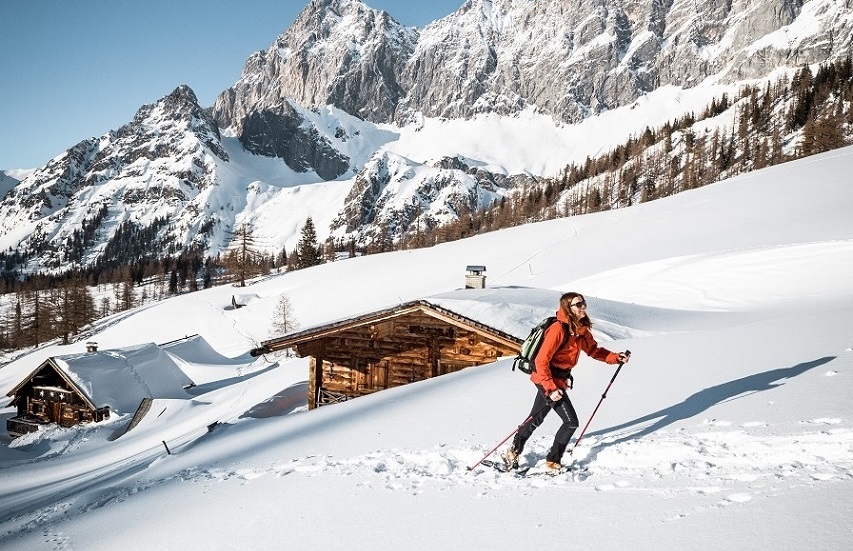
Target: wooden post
column 315, row 381
column 434, row 356
column 312, row 382
column 387, row 380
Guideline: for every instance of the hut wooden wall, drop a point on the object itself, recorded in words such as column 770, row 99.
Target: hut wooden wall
column 48, row 398
column 397, row 351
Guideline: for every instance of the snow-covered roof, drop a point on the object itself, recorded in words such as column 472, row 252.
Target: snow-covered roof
column 122, row 377
column 507, row 311
column 512, row 310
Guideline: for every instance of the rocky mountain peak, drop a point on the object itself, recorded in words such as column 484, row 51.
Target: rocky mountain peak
column 177, row 113
column 182, row 97
column 340, row 8
column 337, row 52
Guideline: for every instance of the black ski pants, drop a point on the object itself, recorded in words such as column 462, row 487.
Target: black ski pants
column 564, row 409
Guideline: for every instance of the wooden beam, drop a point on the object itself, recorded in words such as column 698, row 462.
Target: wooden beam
column 382, row 330
column 315, row 381
column 489, row 336
column 413, row 314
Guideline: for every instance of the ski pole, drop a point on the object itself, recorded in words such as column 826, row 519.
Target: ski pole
column 510, row 435
column 603, row 396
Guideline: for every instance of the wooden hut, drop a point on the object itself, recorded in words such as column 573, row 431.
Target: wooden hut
column 81, row 388
column 392, row 347
column 49, row 396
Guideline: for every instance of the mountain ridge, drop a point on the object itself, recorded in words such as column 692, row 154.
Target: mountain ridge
column 493, row 55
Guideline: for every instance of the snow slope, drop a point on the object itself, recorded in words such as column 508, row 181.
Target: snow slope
column 731, row 427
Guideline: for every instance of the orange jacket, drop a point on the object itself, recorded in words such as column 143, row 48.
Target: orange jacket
column 565, row 357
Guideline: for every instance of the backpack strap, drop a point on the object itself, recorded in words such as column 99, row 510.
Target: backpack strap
column 566, row 335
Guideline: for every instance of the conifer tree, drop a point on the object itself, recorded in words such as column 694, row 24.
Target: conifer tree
column 36, row 316
column 308, row 252
column 242, row 258
column 329, row 250
column 281, row 261
column 824, row 133
column 125, row 297
column 173, row 282
column 72, row 308
column 11, row 325
column 776, row 155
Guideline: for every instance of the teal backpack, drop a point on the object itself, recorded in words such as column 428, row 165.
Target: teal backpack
column 530, row 347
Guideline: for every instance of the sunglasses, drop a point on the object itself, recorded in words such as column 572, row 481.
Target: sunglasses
column 581, row 304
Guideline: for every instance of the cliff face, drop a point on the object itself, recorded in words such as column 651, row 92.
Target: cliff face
column 337, row 52
column 569, row 58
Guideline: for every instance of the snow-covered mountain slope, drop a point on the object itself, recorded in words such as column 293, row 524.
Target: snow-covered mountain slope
column 171, row 172
column 394, row 194
column 731, row 423
column 158, row 173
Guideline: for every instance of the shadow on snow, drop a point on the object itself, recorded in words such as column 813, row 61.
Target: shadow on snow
column 707, row 398
column 285, row 402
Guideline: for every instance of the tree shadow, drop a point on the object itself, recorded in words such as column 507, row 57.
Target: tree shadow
column 705, row 399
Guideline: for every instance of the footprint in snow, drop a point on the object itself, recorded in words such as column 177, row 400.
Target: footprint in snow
column 717, row 423
column 249, row 474
column 738, row 498
column 742, row 477
column 824, row 421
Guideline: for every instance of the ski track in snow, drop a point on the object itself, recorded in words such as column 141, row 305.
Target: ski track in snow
column 725, row 467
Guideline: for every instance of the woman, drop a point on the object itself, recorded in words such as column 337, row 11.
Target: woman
column 561, row 347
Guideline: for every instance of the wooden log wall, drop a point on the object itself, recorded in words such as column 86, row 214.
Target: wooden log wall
column 399, row 351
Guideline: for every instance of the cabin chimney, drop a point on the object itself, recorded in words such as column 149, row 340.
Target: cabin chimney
column 91, row 346
column 475, row 278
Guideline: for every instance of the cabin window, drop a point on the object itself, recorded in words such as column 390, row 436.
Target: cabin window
column 39, row 409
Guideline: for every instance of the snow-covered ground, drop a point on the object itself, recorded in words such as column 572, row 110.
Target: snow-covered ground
column 731, row 427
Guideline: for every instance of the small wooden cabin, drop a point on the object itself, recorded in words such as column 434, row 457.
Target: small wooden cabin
column 388, row 348
column 81, row 388
column 49, row 396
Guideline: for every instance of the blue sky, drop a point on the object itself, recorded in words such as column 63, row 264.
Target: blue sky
column 74, row 69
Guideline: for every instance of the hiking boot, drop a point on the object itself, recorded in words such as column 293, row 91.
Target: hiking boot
column 510, row 458
column 553, row 466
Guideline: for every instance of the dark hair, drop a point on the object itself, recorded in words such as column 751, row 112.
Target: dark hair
column 574, row 321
